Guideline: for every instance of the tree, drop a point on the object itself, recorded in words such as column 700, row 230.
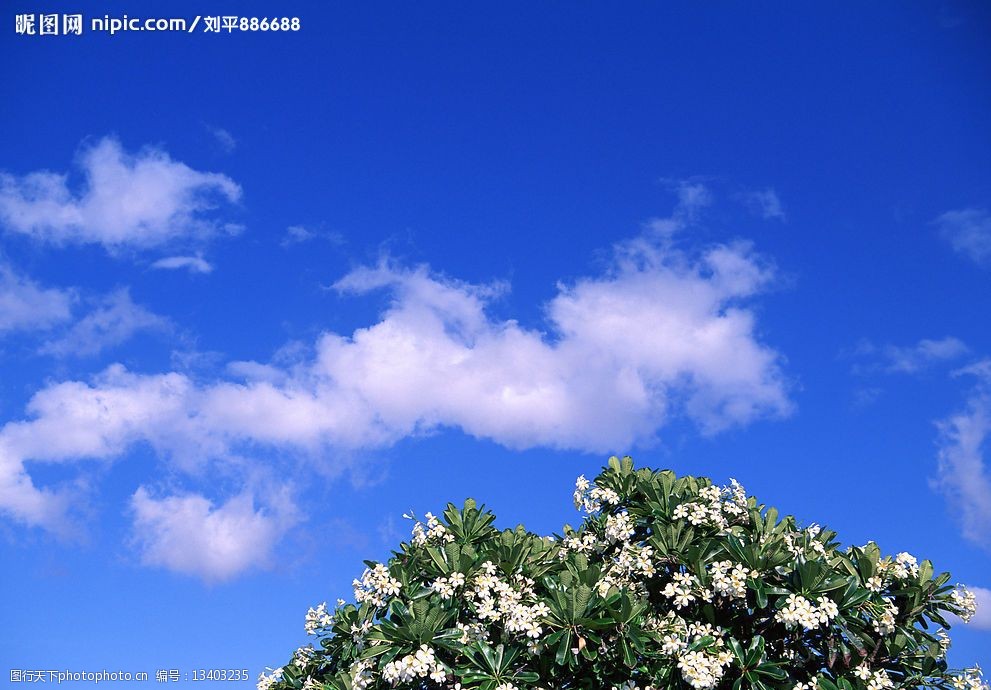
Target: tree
column 668, row 583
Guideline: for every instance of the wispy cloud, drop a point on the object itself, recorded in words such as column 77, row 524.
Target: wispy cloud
column 224, row 138
column 298, row 234
column 865, row 397
column 25, row 305
column 908, row 359
column 765, row 203
column 295, row 234
column 963, row 475
column 116, row 319
column 692, row 197
column 193, row 264
column 127, row 200
column 968, row 231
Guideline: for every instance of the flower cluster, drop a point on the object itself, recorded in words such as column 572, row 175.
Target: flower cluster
column 447, row 586
column 619, row 527
column 903, row 567
column 419, row 665
column 700, row 668
column 317, row 619
column 591, row 498
column 434, row 531
column 799, row 612
column 681, row 590
column 803, row 543
column 717, row 507
column 965, row 601
column 376, row 586
column 580, row 543
column 875, row 680
column 729, row 579
column 628, row 569
column 884, row 623
column 303, row 656
column 970, row 679
column 496, row 599
column 266, row 681
column 361, row 675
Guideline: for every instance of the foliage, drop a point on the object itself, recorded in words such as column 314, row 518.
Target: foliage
column 668, row 583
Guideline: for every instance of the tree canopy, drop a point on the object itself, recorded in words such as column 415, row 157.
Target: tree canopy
column 669, row 582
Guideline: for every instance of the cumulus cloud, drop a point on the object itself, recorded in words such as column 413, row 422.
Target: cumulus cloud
column 963, row 476
column 911, row 359
column 193, row 264
column 665, row 333
column 115, row 320
column 24, row 305
column 190, row 534
column 968, row 231
column 126, row 200
column 765, row 203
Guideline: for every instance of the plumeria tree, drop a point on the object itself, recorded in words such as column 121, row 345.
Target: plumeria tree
column 667, row 583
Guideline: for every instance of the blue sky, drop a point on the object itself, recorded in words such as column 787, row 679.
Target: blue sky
column 260, row 294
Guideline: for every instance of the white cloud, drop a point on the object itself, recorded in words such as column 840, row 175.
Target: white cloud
column 140, row 200
column 765, row 203
column 116, row 320
column 910, row 359
column 665, row 333
column 189, row 534
column 24, row 305
column 194, row 264
column 968, row 231
column 963, row 476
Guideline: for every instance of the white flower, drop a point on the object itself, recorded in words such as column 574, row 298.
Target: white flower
column 421, row 664
column 906, row 566
column 267, row 681
column 376, row 586
column 317, row 619
column 876, row 583
column 361, row 675
column 619, row 527
column 729, row 579
column 800, row 612
column 965, row 601
column 884, row 624
column 302, row 656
